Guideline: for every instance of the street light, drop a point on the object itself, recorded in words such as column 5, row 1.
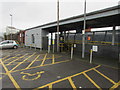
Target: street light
column 57, row 25
column 83, row 32
column 11, row 26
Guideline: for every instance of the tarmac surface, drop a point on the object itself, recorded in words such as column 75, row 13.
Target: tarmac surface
column 24, row 68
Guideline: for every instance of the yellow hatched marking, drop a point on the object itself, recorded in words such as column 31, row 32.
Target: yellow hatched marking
column 53, row 59
column 91, row 80
column 5, row 57
column 10, row 76
column 104, row 76
column 86, row 71
column 10, row 58
column 40, row 66
column 17, row 59
column 3, row 73
column 65, row 78
column 72, row 84
column 22, row 62
column 32, row 61
column 43, row 60
column 115, row 86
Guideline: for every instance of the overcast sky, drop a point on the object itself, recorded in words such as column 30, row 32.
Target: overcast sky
column 30, row 13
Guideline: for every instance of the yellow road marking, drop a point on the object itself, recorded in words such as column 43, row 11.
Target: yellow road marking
column 53, row 59
column 115, row 86
column 10, row 76
column 5, row 57
column 27, row 61
column 65, row 78
column 41, row 66
column 91, row 81
column 43, row 60
column 10, row 58
column 22, row 62
column 86, row 71
column 33, row 61
column 2, row 73
column 104, row 76
column 72, row 84
column 17, row 59
column 28, row 74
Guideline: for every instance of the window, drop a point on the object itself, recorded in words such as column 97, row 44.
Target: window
column 33, row 38
column 5, row 42
column 10, row 42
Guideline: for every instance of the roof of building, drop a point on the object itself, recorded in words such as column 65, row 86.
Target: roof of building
column 79, row 16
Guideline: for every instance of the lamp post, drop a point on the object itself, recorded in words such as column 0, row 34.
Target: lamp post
column 11, row 26
column 57, row 25
column 83, row 32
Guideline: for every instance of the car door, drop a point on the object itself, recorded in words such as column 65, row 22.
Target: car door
column 10, row 44
column 4, row 44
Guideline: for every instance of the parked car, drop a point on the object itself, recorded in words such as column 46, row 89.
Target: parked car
column 8, row 44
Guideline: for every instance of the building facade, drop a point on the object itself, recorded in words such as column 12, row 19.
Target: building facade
column 33, row 37
column 21, row 37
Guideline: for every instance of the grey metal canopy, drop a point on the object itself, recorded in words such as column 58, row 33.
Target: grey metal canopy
column 97, row 19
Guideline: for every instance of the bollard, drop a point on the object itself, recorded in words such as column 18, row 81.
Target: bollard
column 91, row 51
column 53, row 46
column 48, row 48
column 71, row 52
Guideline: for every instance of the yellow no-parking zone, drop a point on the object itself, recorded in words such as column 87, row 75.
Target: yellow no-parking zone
column 15, row 58
column 69, row 78
column 25, row 59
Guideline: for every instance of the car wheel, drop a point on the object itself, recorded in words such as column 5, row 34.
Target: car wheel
column 15, row 47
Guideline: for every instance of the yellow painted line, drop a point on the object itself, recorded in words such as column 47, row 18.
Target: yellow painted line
column 33, row 61
column 50, row 87
column 115, row 86
column 17, row 59
column 53, row 59
column 22, row 62
column 72, row 84
column 91, row 80
column 40, row 66
column 10, row 76
column 10, row 58
column 104, row 76
column 5, row 57
column 105, row 65
column 2, row 73
column 86, row 71
column 43, row 60
column 65, row 78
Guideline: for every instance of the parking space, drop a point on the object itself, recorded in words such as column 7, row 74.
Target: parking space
column 25, row 68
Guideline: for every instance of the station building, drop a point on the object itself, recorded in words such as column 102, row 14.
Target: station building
column 107, row 42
